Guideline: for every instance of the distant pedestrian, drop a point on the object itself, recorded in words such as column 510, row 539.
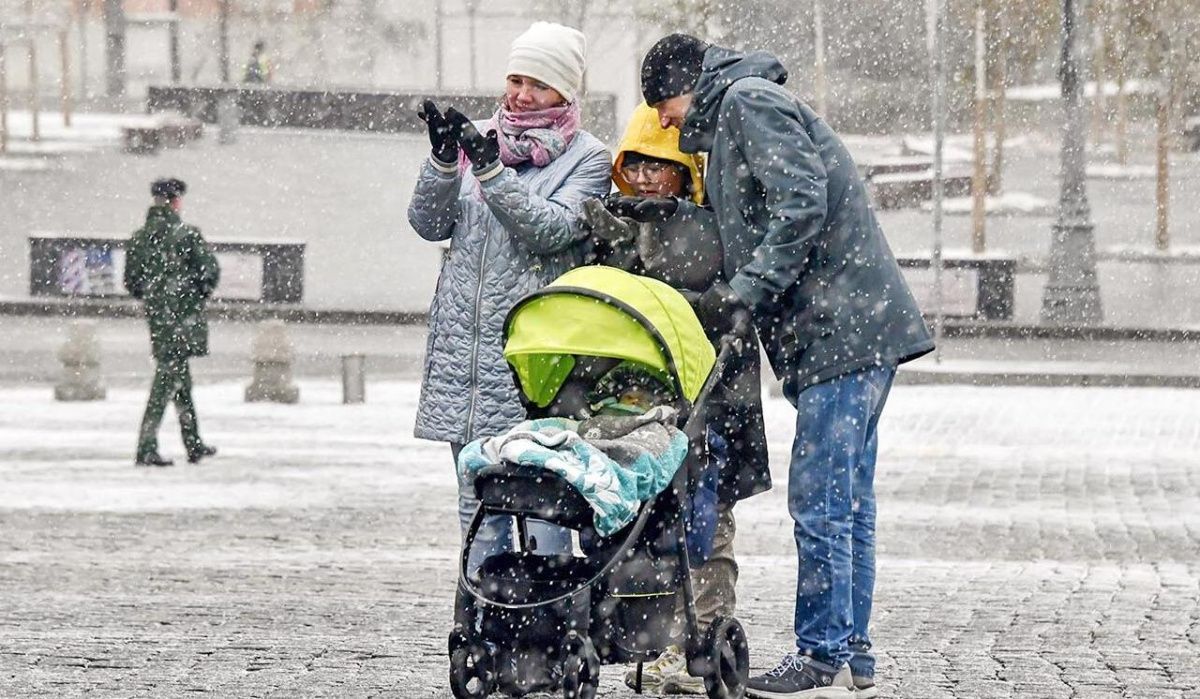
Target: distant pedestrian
column 507, row 193
column 258, row 68
column 806, row 256
column 172, row 270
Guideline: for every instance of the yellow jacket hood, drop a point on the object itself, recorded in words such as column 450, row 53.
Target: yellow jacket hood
column 645, row 135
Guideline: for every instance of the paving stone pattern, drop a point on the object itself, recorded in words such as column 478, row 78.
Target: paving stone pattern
column 1033, row 543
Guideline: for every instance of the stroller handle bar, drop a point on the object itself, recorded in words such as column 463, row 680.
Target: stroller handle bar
column 730, row 343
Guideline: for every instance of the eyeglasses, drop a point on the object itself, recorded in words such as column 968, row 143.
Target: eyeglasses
column 649, row 170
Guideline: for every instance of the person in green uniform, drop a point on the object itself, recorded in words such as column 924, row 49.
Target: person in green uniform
column 170, row 268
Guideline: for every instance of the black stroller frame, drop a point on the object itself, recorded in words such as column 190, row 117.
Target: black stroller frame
column 538, row 623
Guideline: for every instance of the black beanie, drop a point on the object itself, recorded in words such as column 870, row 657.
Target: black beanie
column 671, row 67
column 168, row 188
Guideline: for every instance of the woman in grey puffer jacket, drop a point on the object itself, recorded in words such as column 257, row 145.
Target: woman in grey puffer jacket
column 509, row 204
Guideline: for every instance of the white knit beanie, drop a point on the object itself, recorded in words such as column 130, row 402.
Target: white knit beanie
column 550, row 53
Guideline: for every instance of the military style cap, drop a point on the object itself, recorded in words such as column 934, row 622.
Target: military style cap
column 168, row 187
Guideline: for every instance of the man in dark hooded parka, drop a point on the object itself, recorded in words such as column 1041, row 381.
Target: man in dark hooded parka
column 806, row 256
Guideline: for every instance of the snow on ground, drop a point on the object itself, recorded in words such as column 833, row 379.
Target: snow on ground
column 1184, row 253
column 1053, row 91
column 25, row 164
column 1116, row 171
column 277, row 451
column 96, row 128
column 1006, row 204
column 284, row 448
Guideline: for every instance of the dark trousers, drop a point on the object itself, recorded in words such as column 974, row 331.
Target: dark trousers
column 172, row 382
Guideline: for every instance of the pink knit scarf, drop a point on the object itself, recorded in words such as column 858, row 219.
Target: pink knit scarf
column 538, row 137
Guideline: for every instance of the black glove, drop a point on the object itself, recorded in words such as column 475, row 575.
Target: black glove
column 482, row 150
column 443, row 136
column 642, row 209
column 621, row 205
column 655, row 209
column 602, row 224
column 721, row 311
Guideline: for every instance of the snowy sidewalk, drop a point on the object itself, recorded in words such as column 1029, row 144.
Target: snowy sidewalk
column 1033, row 543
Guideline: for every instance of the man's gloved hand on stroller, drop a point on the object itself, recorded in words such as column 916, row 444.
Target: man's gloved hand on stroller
column 612, row 240
column 720, row 311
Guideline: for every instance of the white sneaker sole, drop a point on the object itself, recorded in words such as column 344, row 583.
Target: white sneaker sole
column 818, row 693
column 648, row 687
column 867, row 693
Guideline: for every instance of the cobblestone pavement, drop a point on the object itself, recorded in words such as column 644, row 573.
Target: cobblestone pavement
column 1033, row 543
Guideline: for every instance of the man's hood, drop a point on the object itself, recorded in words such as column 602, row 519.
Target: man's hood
column 722, row 68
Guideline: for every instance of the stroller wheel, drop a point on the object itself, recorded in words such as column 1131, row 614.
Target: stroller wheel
column 581, row 668
column 471, row 673
column 727, row 659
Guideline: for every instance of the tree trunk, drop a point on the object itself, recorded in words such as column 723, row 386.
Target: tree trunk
column 114, row 47
column 979, row 178
column 999, row 117
column 1099, row 102
column 65, row 76
column 173, row 42
column 1162, row 192
column 35, row 106
column 1122, row 100
column 3, row 100
column 223, row 39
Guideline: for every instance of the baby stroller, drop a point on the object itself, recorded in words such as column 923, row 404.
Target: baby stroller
column 526, row 622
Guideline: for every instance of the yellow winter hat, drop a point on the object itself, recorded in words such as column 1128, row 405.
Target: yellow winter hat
column 645, row 135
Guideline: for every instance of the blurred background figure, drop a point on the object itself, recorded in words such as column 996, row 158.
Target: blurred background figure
column 172, row 270
column 258, row 69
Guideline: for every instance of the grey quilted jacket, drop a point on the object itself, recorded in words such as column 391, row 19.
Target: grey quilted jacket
column 509, row 235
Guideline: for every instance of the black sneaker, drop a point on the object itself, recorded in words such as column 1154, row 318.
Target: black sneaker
column 800, row 677
column 201, row 452
column 152, row 459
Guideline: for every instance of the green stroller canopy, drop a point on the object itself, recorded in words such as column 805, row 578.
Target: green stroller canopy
column 605, row 312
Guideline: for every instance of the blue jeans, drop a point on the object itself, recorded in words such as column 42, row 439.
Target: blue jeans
column 831, row 497
column 495, row 532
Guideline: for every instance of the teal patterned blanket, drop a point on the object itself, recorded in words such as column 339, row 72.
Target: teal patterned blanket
column 615, row 462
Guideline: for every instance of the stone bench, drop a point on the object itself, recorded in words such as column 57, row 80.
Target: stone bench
column 906, row 180
column 903, row 189
column 78, row 265
column 141, row 139
column 973, row 286
column 146, row 135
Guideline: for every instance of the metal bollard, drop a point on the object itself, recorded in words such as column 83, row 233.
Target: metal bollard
column 80, row 357
column 229, row 118
column 354, row 385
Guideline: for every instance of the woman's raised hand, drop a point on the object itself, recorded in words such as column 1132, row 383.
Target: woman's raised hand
column 483, row 150
column 442, row 133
